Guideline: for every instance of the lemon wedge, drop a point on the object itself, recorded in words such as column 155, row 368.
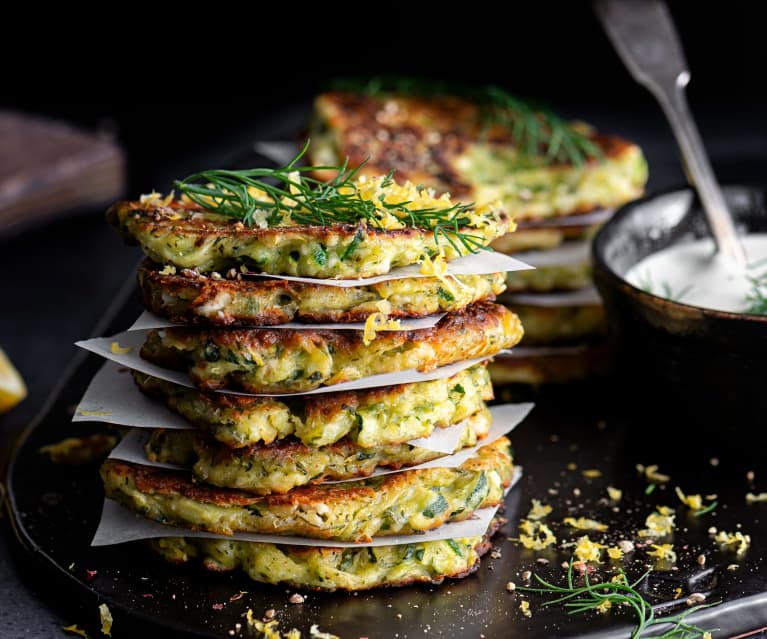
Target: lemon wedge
column 12, row 387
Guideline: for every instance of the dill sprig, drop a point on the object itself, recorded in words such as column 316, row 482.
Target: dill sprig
column 757, row 296
column 534, row 128
column 621, row 593
column 294, row 195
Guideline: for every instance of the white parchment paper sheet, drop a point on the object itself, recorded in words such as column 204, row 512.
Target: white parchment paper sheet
column 134, row 340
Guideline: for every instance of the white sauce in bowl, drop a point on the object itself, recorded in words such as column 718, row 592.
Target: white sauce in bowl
column 692, row 273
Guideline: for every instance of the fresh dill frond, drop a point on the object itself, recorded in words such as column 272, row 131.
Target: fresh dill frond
column 621, row 593
column 757, row 296
column 535, row 129
column 290, row 193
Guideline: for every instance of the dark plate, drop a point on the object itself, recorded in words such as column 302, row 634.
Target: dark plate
column 54, row 511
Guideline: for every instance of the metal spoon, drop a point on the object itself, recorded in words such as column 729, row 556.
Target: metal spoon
column 644, row 36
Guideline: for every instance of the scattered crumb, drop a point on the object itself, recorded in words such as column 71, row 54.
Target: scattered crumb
column 572, row 466
column 714, row 461
column 701, row 560
column 695, row 598
column 626, row 546
column 542, row 561
column 511, row 586
column 733, row 567
column 526, row 575
column 750, row 476
column 712, row 530
column 75, row 451
column 296, row 598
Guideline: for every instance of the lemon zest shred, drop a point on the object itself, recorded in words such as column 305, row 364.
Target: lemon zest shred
column 379, row 321
column 524, row 606
column 587, row 550
column 120, row 350
column 168, row 269
column 583, row 523
column 664, row 552
column 615, row 494
column 604, row 606
column 614, row 552
column 659, row 524
column 730, row 539
column 535, row 535
column 652, row 474
column 538, row 510
column 105, row 616
column 74, row 630
column 751, row 498
column 591, row 473
column 693, row 502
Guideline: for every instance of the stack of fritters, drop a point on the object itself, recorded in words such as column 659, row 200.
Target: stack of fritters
column 266, row 460
column 458, row 145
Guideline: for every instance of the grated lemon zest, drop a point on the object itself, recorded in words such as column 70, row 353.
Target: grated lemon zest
column 693, row 502
column 619, row 579
column 587, row 550
column 652, row 474
column 604, row 606
column 539, row 510
column 120, row 350
column 613, row 552
column 591, row 473
column 659, row 524
column 535, row 535
column 582, row 523
column 664, row 552
column 379, row 322
column 524, row 606
column 730, row 539
column 614, row 493
column 677, row 593
column 168, row 269
column 156, row 199
column 74, row 630
column 106, row 620
column 751, row 498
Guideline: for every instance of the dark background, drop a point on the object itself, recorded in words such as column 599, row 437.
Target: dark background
column 195, row 91
column 170, row 88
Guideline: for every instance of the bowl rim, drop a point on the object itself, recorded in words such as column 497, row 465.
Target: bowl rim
column 605, row 270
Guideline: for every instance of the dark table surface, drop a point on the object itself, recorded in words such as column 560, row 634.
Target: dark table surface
column 58, row 281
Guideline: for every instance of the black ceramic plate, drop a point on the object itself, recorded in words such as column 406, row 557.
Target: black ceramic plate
column 54, row 511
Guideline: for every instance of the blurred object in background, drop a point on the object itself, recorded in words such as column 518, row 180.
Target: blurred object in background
column 12, row 387
column 48, row 168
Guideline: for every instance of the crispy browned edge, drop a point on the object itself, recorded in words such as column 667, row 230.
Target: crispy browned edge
column 151, row 279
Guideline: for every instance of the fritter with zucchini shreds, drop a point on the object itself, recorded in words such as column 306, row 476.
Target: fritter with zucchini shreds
column 287, row 463
column 286, row 360
column 365, row 227
column 470, row 147
column 400, row 503
column 550, row 325
column 381, row 416
column 329, row 569
column 190, row 297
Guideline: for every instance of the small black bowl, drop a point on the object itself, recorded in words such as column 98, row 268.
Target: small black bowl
column 674, row 361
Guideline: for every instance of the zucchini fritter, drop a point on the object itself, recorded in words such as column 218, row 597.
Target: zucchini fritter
column 190, row 297
column 370, row 417
column 287, row 464
column 549, row 325
column 327, row 568
column 285, row 360
column 187, row 237
column 400, row 503
column 442, row 142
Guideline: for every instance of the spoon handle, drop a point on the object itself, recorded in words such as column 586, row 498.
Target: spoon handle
column 643, row 34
